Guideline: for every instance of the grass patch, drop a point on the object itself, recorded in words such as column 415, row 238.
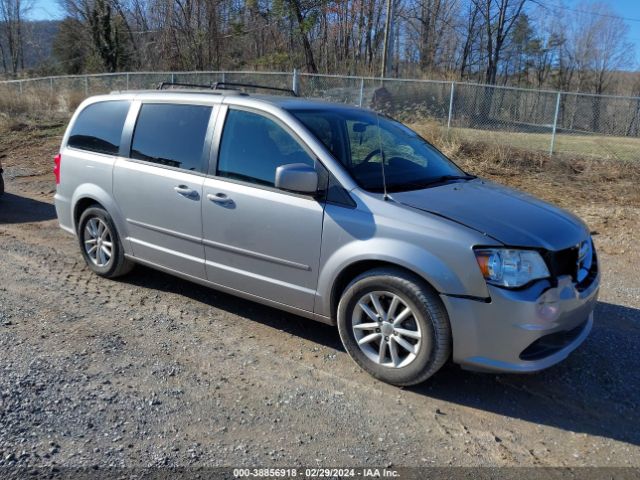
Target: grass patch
column 588, row 145
column 31, row 107
column 569, row 179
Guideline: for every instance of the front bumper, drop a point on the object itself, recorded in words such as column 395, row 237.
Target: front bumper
column 521, row 330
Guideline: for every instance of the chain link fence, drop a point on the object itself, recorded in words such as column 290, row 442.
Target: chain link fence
column 555, row 122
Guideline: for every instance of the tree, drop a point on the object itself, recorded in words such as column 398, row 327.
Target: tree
column 106, row 31
column 492, row 41
column 306, row 15
column 520, row 52
column 499, row 18
column 470, row 34
column 70, row 46
column 12, row 14
column 597, row 47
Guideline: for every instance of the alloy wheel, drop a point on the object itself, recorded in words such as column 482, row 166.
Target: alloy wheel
column 98, row 242
column 386, row 330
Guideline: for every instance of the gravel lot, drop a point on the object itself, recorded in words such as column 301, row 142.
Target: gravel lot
column 152, row 370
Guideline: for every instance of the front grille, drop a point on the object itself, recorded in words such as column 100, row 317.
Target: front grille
column 550, row 344
column 591, row 275
column 565, row 262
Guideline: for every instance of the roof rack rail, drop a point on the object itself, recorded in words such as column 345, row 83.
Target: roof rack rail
column 224, row 85
column 162, row 85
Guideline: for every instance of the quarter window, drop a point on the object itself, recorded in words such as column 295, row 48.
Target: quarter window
column 172, row 135
column 253, row 146
column 98, row 127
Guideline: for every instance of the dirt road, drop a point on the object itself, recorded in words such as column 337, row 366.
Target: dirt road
column 153, row 370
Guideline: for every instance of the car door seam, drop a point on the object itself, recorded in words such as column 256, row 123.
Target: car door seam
column 261, row 256
column 221, row 246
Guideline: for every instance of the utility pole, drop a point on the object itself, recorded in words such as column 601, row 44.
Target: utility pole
column 385, row 47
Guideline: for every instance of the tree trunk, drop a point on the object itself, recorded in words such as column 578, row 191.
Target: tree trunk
column 306, row 44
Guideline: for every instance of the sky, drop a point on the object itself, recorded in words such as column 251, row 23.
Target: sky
column 629, row 9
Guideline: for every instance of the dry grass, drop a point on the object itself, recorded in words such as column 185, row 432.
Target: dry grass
column 567, row 180
column 16, row 106
column 30, row 108
column 599, row 147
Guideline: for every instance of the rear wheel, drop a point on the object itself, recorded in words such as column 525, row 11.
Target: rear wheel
column 394, row 326
column 100, row 244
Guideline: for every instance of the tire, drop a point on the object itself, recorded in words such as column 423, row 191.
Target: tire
column 425, row 329
column 91, row 221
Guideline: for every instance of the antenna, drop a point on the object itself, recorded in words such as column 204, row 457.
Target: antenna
column 384, row 178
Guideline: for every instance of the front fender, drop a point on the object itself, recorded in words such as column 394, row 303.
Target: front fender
column 410, row 257
column 437, row 250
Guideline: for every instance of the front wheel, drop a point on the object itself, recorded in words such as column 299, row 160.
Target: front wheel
column 100, row 244
column 394, row 326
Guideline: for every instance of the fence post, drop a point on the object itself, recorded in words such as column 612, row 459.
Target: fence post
column 86, row 86
column 294, row 82
column 51, row 84
column 173, row 78
column 453, row 85
column 223, row 76
column 361, row 92
column 127, row 80
column 20, row 85
column 555, row 124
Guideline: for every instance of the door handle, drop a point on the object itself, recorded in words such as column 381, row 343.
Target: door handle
column 220, row 198
column 186, row 191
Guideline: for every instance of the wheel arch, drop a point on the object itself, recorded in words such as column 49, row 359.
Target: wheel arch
column 353, row 270
column 87, row 195
column 80, row 206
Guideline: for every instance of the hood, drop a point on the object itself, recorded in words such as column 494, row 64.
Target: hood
column 509, row 216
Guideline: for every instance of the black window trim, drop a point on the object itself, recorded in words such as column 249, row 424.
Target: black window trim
column 130, row 126
column 122, row 136
column 215, row 151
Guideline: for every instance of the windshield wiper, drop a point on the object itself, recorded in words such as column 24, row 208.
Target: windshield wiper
column 446, row 178
column 431, row 182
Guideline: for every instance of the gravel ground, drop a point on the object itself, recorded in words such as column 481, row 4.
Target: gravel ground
column 151, row 370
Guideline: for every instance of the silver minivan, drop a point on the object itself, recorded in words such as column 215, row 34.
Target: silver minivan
column 332, row 212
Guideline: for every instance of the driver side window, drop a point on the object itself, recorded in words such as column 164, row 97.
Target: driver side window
column 368, row 140
column 253, row 146
column 363, row 141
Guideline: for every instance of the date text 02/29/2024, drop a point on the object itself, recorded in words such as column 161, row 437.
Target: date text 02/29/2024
column 315, row 473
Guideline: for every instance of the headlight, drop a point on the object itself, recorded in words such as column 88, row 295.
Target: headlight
column 510, row 268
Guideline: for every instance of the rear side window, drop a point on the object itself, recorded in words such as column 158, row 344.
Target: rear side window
column 171, row 135
column 98, row 127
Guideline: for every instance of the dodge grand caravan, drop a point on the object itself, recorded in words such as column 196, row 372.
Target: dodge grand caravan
column 334, row 213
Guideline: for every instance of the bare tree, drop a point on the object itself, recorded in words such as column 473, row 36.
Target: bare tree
column 12, row 15
column 492, row 41
column 599, row 47
column 470, row 34
column 303, row 16
column 499, row 18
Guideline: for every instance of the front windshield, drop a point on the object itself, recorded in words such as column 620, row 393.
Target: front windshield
column 362, row 140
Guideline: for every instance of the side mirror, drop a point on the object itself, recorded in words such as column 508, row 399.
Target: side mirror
column 297, row 177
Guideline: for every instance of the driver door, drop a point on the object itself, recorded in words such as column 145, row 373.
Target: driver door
column 258, row 239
